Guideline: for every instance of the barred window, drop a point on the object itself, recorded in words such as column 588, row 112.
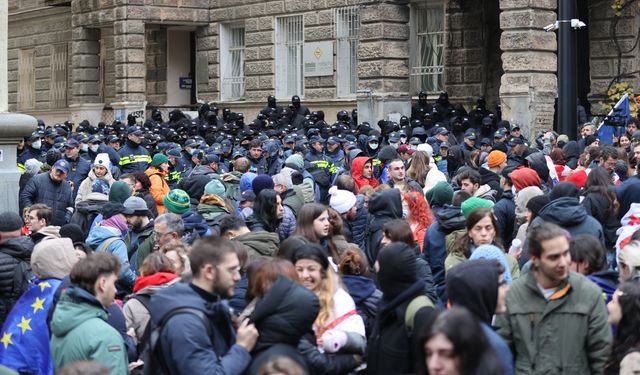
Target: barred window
column 58, row 90
column 347, row 25
column 232, row 64
column 289, row 44
column 26, row 79
column 427, row 60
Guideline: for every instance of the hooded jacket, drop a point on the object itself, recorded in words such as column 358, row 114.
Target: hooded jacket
column 12, row 252
column 505, row 212
column 80, row 332
column 85, row 187
column 57, row 195
column 159, row 187
column 474, row 286
column 98, row 235
column 53, row 258
column 186, row 346
column 212, row 208
column 448, row 219
column 283, row 316
column 87, row 210
column 568, row 213
column 597, row 205
column 357, row 165
column 259, row 243
column 366, row 297
column 383, row 207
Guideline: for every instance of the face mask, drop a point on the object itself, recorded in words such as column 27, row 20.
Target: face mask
column 94, row 148
column 84, row 148
column 403, row 139
column 405, row 212
column 36, row 145
column 394, row 145
column 513, row 190
column 414, row 147
column 373, row 146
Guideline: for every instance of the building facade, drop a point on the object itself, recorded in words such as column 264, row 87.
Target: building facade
column 101, row 59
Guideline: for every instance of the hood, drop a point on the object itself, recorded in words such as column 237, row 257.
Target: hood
column 565, row 211
column 474, row 284
column 202, row 170
column 450, row 218
column 19, row 247
column 264, row 243
column 538, row 163
column 571, row 150
column 212, row 200
column 156, row 279
column 100, row 234
column 175, row 296
column 53, row 258
column 387, row 153
column 359, row 287
column 194, row 186
column 50, row 231
column 357, row 165
column 76, row 306
column 386, row 203
column 108, row 178
column 195, row 222
column 92, row 206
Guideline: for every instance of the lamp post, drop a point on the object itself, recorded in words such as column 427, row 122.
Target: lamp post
column 567, row 97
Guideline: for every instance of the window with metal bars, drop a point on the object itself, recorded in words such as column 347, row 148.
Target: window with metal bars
column 232, row 64
column 26, row 79
column 427, row 67
column 58, row 90
column 347, row 25
column 289, row 45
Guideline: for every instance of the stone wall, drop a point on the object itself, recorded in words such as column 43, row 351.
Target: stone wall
column 107, row 55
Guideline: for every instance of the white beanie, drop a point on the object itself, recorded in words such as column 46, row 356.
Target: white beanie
column 103, row 160
column 425, row 147
column 341, row 200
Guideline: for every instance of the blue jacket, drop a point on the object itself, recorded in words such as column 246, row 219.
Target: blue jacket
column 186, row 347
column 42, row 189
column 98, row 235
column 133, row 158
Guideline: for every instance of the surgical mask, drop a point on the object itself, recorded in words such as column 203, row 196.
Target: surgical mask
column 513, row 190
column 394, row 145
column 94, row 148
column 373, row 146
column 84, row 147
column 405, row 212
column 403, row 139
column 414, row 147
column 37, row 144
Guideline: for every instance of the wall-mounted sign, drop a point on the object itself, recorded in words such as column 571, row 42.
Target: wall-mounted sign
column 185, row 83
column 318, row 59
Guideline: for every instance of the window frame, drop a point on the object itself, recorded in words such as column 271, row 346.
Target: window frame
column 232, row 87
column 348, row 41
column 282, row 71
column 420, row 73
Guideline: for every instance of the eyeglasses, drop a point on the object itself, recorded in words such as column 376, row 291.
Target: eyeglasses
column 160, row 234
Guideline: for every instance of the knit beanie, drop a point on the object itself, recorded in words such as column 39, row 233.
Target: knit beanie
column 53, row 258
column 341, row 200
column 524, row 177
column 474, row 203
column 493, row 252
column 177, row 201
column 158, row 159
column 261, row 182
column 496, row 158
column 440, row 194
column 397, row 273
column 119, row 192
column 246, row 180
column 100, row 186
column 564, row 189
column 294, row 161
column 215, row 187
column 111, row 209
column 73, row 232
column 536, row 203
column 102, row 160
column 10, row 221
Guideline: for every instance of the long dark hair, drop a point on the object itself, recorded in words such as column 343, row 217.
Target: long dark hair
column 264, row 210
column 475, row 216
column 599, row 181
column 307, row 214
column 629, row 327
column 470, row 345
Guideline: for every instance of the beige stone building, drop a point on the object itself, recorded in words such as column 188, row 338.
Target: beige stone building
column 100, row 59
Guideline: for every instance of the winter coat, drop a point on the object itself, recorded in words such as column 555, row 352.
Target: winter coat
column 257, row 166
column 391, row 349
column 145, row 244
column 85, row 187
column 148, row 199
column 79, row 172
column 324, row 363
column 357, row 165
column 213, row 209
column 566, row 335
column 136, row 314
column 259, row 243
column 491, row 179
column 57, row 195
column 505, row 212
column 628, row 192
column 357, row 228
column 133, row 158
column 283, row 316
column 568, row 213
column 12, row 252
column 423, row 272
column 294, row 199
column 98, row 235
column 80, row 332
column 185, row 343
column 448, row 219
column 87, row 210
column 366, row 297
column 159, row 187
column 597, row 205
column 288, row 224
column 383, row 207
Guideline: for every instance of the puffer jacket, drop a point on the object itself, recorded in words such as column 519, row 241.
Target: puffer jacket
column 159, row 187
column 566, row 335
column 259, row 243
column 366, row 297
column 357, row 228
column 505, row 211
column 288, row 224
column 383, row 207
column 85, row 187
column 80, row 332
column 12, row 252
column 42, row 189
column 79, row 171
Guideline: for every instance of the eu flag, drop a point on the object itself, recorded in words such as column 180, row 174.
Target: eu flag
column 24, row 339
column 621, row 113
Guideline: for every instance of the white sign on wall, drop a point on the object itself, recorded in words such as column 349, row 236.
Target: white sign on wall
column 318, row 59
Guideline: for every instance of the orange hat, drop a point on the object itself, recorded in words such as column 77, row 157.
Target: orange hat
column 496, row 158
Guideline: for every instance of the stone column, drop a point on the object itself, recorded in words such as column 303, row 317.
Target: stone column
column 129, row 46
column 383, row 62
column 529, row 85
column 85, row 75
column 4, row 39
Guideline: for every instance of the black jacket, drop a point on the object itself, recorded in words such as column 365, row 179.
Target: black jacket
column 492, row 179
column 383, row 207
column 133, row 158
column 80, row 169
column 57, row 195
column 12, row 252
column 505, row 211
column 597, row 205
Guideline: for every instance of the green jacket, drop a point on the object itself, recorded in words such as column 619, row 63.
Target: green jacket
column 260, row 243
column 566, row 335
column 145, row 248
column 80, row 332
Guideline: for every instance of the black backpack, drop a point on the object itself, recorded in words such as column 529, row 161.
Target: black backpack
column 152, row 355
column 22, row 276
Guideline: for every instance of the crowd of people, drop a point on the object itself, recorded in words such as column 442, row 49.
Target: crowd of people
column 447, row 243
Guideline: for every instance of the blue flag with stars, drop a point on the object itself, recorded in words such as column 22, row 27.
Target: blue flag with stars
column 24, row 339
column 621, row 112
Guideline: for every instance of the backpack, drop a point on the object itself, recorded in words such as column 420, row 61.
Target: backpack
column 22, row 276
column 414, row 306
column 152, row 355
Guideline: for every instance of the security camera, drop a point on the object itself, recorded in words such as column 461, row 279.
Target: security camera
column 577, row 24
column 551, row 27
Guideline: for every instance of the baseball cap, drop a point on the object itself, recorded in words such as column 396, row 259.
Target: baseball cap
column 636, row 135
column 71, row 143
column 442, row 131
column 445, row 145
column 289, row 138
column 470, row 134
column 175, row 152
column 50, row 132
column 211, row 158
column 247, row 195
column 135, row 130
column 135, row 206
column 485, row 141
column 404, row 149
column 515, row 126
column 62, row 165
column 333, row 141
column 415, row 141
column 113, row 138
column 516, row 141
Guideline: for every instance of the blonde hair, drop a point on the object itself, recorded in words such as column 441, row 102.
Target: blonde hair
column 328, row 285
column 183, row 251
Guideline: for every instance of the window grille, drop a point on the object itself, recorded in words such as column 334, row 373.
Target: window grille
column 233, row 78
column 289, row 44
column 427, row 71
column 58, row 89
column 26, row 79
column 347, row 25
